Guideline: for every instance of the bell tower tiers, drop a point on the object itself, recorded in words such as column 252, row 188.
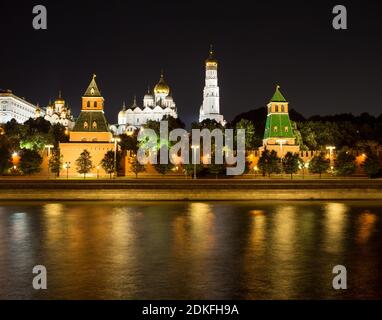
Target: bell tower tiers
column 210, row 108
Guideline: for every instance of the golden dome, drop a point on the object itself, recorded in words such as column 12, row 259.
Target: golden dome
column 162, row 86
column 211, row 61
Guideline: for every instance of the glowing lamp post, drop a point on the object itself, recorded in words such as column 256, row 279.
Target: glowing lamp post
column 97, row 172
column 194, row 148
column 67, row 166
column 331, row 148
column 281, row 142
column 115, row 140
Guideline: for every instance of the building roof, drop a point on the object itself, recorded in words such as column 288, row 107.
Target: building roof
column 278, row 96
column 92, row 90
column 278, row 125
column 89, row 117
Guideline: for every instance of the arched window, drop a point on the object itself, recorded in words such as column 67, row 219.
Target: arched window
column 86, row 125
column 88, row 104
column 275, row 128
column 94, row 125
column 282, row 108
column 276, row 108
column 286, row 129
column 95, row 104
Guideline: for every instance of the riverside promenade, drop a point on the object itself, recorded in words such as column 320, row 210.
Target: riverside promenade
column 162, row 189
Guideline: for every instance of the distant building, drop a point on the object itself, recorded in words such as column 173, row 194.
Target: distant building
column 156, row 105
column 278, row 134
column 90, row 132
column 210, row 108
column 58, row 112
column 13, row 107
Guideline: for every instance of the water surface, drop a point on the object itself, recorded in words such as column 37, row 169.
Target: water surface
column 191, row 250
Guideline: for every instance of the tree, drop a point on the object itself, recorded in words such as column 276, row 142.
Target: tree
column 163, row 168
column 36, row 141
column 58, row 133
column 107, row 163
column 269, row 163
column 129, row 142
column 30, row 161
column 5, row 157
column 84, row 163
column 250, row 138
column 319, row 164
column 345, row 163
column 55, row 162
column 290, row 163
column 136, row 167
column 216, row 169
column 371, row 165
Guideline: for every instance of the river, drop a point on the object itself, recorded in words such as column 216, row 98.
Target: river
column 191, row 250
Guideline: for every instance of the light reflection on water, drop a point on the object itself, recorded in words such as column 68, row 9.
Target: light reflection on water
column 191, row 250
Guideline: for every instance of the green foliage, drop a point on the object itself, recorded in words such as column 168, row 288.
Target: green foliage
column 5, row 156
column 84, row 163
column 319, row 164
column 250, row 138
column 290, row 163
column 371, row 165
column 345, row 163
column 30, row 161
column 163, row 168
column 55, row 161
column 136, row 167
column 129, row 142
column 36, row 141
column 269, row 163
column 58, row 134
column 107, row 163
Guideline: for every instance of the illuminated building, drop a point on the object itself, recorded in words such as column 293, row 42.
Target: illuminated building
column 156, row 105
column 278, row 134
column 210, row 108
column 13, row 107
column 59, row 112
column 91, row 132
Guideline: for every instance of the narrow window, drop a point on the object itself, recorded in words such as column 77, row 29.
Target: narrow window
column 86, row 125
column 94, row 125
column 95, row 104
column 88, row 104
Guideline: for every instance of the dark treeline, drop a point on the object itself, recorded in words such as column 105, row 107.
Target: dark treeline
column 316, row 132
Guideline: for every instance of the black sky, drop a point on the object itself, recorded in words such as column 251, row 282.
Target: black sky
column 258, row 44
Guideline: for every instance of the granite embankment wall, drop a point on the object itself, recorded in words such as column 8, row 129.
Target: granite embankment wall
column 165, row 190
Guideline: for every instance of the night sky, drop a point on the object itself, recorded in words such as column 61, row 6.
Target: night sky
column 258, row 44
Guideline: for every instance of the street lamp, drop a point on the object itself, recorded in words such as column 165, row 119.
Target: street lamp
column 194, row 148
column 281, row 142
column 49, row 146
column 115, row 140
column 331, row 148
column 97, row 172
column 67, row 166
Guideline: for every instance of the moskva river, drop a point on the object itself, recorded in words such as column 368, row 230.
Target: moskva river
column 191, row 250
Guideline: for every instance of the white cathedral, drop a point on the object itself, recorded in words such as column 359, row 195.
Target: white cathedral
column 156, row 105
column 210, row 108
column 57, row 112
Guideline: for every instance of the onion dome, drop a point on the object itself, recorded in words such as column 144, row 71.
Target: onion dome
column 59, row 98
column 162, row 87
column 211, row 61
column 123, row 111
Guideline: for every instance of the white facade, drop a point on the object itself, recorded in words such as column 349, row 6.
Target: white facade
column 155, row 106
column 210, row 108
column 59, row 112
column 13, row 107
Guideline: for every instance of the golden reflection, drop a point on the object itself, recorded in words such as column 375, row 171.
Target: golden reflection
column 366, row 223
column 53, row 213
column 19, row 226
column 334, row 223
column 257, row 231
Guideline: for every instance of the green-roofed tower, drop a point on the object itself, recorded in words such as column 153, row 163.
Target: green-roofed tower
column 91, row 125
column 278, row 134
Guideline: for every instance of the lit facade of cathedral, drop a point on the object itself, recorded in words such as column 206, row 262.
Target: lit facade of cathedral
column 156, row 105
column 58, row 112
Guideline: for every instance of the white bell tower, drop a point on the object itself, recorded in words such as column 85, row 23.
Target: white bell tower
column 210, row 108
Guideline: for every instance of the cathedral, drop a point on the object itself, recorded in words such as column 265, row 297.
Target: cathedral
column 156, row 105
column 210, row 108
column 57, row 112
